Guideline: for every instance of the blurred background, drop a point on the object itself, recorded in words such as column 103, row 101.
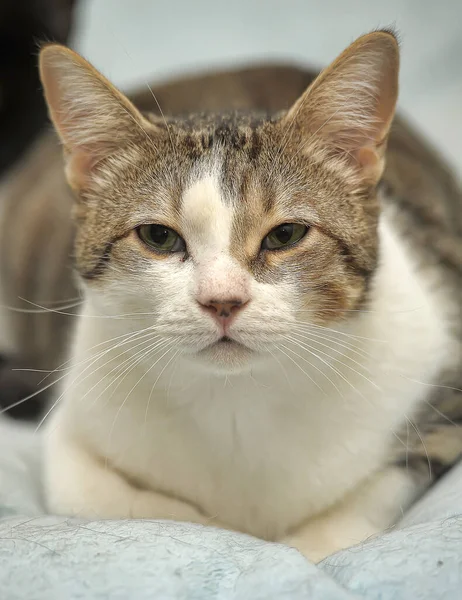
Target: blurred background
column 133, row 42
column 145, row 40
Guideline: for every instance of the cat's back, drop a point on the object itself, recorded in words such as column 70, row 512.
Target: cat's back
column 425, row 200
column 422, row 203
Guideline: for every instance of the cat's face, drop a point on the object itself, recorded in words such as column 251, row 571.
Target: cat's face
column 227, row 232
column 228, row 242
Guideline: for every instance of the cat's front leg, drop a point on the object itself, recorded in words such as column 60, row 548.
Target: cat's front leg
column 373, row 507
column 79, row 483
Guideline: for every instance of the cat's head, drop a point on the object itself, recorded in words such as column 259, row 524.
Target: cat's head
column 227, row 232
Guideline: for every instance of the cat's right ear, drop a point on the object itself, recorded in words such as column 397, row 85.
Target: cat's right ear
column 92, row 118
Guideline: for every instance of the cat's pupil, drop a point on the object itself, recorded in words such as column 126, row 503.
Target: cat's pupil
column 284, row 233
column 159, row 234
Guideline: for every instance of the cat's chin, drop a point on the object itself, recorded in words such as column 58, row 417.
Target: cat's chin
column 226, row 356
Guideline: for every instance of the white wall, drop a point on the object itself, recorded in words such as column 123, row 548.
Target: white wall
column 134, row 41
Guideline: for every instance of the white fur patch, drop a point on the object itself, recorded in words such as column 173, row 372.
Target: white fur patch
column 205, row 216
column 207, row 220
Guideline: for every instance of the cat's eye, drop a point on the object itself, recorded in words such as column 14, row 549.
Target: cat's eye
column 284, row 235
column 161, row 238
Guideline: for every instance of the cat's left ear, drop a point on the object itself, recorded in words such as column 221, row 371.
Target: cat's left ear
column 349, row 108
column 92, row 118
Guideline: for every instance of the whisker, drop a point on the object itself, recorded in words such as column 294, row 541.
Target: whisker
column 41, row 309
column 29, row 397
column 129, row 393
column 69, row 361
column 72, row 364
column 334, row 350
column 55, row 404
column 58, row 400
column 280, row 348
column 281, row 365
column 433, row 385
column 362, row 310
column 170, row 381
column 23, row 370
column 347, row 345
column 315, row 366
column 46, row 309
column 132, row 360
column 350, row 335
column 413, row 425
column 441, row 414
column 158, row 377
column 404, row 444
column 343, row 364
column 126, row 366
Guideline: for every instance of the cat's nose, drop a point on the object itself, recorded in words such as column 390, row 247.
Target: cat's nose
column 223, row 310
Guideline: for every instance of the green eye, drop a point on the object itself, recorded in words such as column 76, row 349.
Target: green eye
column 161, row 238
column 284, row 235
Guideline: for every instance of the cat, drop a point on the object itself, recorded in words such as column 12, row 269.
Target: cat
column 266, row 313
column 36, row 230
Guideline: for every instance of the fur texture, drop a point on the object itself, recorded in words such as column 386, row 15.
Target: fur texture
column 283, row 415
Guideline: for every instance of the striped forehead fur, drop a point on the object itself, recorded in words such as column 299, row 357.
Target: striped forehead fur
column 205, row 215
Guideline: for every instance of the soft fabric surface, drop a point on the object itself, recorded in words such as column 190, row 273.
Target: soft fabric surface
column 47, row 557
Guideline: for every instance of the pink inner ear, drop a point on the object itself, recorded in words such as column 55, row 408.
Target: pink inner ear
column 371, row 161
column 78, row 168
column 367, row 156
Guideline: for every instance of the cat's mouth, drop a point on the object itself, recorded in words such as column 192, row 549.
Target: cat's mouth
column 226, row 353
column 226, row 340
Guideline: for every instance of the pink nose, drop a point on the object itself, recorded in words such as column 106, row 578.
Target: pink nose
column 223, row 310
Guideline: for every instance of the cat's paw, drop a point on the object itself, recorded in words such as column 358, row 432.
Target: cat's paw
column 322, row 537
column 152, row 505
column 314, row 548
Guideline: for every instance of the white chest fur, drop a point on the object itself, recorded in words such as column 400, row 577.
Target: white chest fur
column 265, row 451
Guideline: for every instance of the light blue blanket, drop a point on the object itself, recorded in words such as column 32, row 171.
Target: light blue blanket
column 53, row 558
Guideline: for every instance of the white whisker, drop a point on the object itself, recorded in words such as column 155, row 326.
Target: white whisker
column 70, row 361
column 347, row 345
column 57, row 401
column 414, row 426
column 315, row 366
column 133, row 388
column 158, row 377
column 343, row 363
column 299, row 367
